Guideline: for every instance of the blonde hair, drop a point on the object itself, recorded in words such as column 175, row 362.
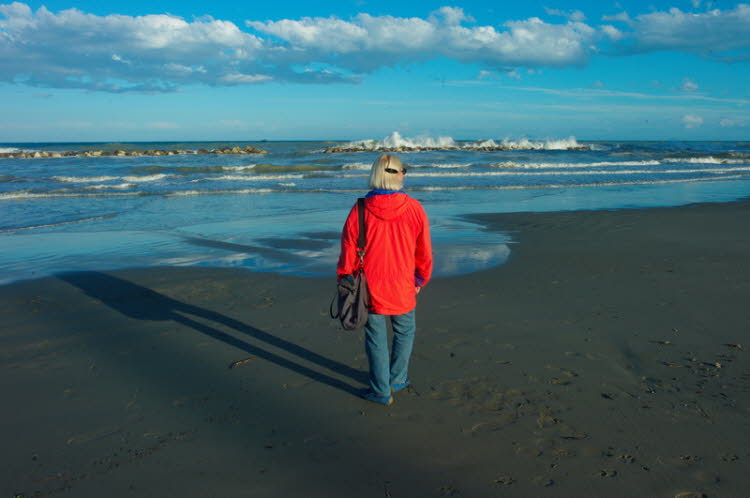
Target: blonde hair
column 381, row 179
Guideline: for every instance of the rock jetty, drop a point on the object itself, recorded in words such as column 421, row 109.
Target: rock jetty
column 122, row 153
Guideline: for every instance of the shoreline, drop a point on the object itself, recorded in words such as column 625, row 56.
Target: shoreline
column 586, row 365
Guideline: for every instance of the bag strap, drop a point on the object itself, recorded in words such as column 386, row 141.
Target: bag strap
column 362, row 239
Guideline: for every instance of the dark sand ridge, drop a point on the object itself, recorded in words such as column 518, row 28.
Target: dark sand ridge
column 594, row 363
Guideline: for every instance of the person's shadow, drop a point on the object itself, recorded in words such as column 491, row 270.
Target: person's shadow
column 142, row 303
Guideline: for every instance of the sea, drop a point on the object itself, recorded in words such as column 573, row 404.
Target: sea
column 282, row 211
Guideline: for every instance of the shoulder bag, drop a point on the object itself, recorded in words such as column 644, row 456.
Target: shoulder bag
column 352, row 299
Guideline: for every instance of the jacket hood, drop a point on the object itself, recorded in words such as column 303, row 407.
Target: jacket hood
column 387, row 206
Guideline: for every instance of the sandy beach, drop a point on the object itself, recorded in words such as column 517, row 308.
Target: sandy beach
column 607, row 357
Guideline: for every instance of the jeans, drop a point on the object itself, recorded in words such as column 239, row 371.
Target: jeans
column 387, row 370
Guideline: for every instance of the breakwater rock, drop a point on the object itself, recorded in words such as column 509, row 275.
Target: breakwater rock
column 122, row 153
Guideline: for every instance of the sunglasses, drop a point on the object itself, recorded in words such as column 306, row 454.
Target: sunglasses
column 395, row 171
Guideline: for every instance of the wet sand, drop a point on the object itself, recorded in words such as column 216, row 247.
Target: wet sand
column 607, row 357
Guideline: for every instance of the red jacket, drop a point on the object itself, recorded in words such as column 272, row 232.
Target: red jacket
column 398, row 254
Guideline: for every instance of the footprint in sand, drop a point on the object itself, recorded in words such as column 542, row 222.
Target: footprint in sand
column 504, row 480
column 685, row 461
column 607, row 473
column 485, row 427
column 543, row 481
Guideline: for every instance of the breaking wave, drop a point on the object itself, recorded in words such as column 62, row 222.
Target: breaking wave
column 395, row 142
column 118, row 186
column 357, row 166
column 517, row 165
column 706, row 160
column 95, row 179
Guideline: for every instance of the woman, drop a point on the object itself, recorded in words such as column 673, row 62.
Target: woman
column 398, row 263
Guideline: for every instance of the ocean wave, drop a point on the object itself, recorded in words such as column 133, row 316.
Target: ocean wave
column 246, row 167
column 187, row 193
column 244, row 178
column 27, row 195
column 96, row 179
column 144, row 179
column 30, row 154
column 706, row 160
column 11, row 179
column 438, row 188
column 444, row 165
column 60, row 223
column 84, row 179
column 517, row 165
column 462, row 174
column 9, row 150
column 192, row 170
column 118, row 186
column 548, row 144
column 396, row 143
column 357, row 166
column 368, row 166
column 293, row 168
column 719, row 174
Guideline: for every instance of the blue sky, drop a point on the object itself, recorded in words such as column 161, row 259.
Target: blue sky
column 167, row 70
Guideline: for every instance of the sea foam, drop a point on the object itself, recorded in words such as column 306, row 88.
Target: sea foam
column 706, row 160
column 397, row 142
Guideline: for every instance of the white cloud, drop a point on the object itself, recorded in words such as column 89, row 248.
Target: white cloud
column 605, row 93
column 238, row 78
column 160, row 53
column 486, row 75
column 573, row 15
column 622, row 16
column 117, row 53
column 689, row 85
column 692, row 121
column 368, row 42
column 731, row 123
column 612, row 33
column 513, row 74
column 716, row 34
column 452, row 15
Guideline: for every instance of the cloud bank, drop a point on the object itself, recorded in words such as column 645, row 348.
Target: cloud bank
column 160, row 53
column 716, row 34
